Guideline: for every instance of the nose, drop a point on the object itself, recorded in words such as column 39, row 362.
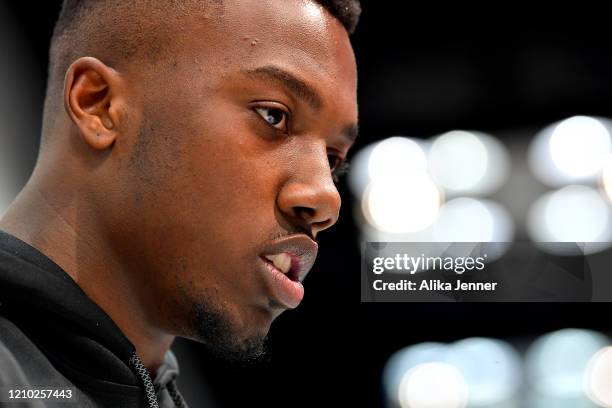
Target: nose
column 310, row 198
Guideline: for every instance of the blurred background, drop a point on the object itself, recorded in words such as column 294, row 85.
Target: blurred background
column 484, row 125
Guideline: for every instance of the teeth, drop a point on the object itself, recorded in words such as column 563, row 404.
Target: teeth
column 282, row 262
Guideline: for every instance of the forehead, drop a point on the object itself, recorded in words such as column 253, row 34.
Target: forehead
column 299, row 36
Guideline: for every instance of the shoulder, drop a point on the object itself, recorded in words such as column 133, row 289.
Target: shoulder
column 11, row 345
column 21, row 362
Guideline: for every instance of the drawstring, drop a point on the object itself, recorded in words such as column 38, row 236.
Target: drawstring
column 176, row 396
column 152, row 402
column 143, row 373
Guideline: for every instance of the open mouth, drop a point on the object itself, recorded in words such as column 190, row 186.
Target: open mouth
column 285, row 264
column 286, row 261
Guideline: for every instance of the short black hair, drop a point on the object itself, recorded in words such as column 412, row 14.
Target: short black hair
column 346, row 11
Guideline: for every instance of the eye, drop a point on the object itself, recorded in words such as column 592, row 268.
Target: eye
column 334, row 162
column 277, row 118
column 338, row 166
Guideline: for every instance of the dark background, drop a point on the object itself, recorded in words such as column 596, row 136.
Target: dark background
column 422, row 72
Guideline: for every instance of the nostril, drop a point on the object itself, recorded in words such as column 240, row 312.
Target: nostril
column 316, row 219
column 305, row 212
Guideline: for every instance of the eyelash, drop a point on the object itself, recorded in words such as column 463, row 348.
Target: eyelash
column 340, row 169
column 339, row 166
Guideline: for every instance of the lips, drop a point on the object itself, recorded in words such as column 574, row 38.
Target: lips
column 287, row 261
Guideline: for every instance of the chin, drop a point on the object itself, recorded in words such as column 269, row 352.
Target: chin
column 257, row 323
column 234, row 333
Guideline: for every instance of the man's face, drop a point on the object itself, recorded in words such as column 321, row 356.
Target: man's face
column 228, row 167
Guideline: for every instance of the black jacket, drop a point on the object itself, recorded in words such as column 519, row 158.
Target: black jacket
column 52, row 336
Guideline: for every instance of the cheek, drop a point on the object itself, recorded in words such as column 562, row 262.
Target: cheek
column 229, row 168
column 209, row 202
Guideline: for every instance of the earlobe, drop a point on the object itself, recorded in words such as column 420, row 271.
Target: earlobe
column 90, row 90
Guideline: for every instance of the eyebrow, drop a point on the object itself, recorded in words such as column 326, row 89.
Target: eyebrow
column 295, row 85
column 300, row 89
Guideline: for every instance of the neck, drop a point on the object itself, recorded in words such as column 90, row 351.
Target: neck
column 59, row 223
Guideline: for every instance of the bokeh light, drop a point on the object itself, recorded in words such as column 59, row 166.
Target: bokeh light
column 491, row 369
column 471, row 220
column 569, row 368
column 598, row 378
column 394, row 157
column 474, row 220
column 557, row 363
column 413, row 190
column 468, row 163
column 404, row 204
column 397, row 157
column 433, row 385
column 397, row 194
column 370, row 233
column 572, row 214
column 571, row 151
column 538, row 400
column 579, row 146
column 405, row 359
column 606, row 178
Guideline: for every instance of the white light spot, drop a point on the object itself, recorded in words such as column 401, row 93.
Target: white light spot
column 468, row 163
column 491, row 369
column 471, row 220
column 599, row 377
column 433, row 385
column 401, row 205
column 579, row 146
column 405, row 359
column 572, row 214
column 570, row 151
column 557, row 362
column 397, row 157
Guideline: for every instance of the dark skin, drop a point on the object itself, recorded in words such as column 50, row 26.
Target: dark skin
column 163, row 184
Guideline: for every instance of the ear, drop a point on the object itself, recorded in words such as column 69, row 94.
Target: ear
column 91, row 98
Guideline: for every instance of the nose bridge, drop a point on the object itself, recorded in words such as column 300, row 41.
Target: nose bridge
column 311, row 195
column 315, row 163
